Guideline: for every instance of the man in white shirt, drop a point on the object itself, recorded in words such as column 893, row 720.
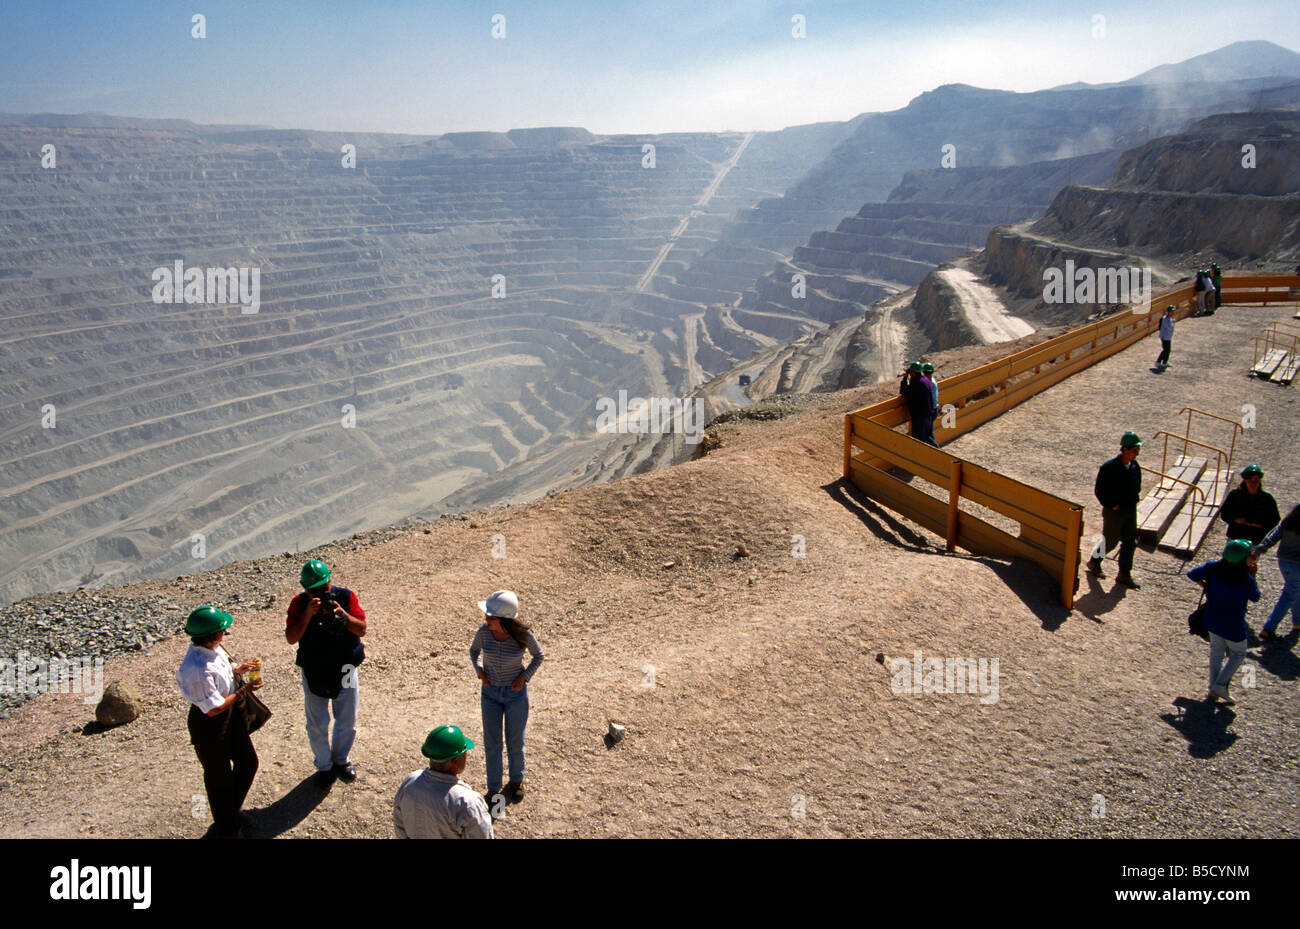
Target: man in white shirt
column 435, row 803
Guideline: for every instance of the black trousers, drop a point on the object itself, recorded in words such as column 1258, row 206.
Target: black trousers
column 1164, row 351
column 229, row 763
column 922, row 425
column 1121, row 527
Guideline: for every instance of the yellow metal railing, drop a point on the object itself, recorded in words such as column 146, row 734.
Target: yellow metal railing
column 1050, row 526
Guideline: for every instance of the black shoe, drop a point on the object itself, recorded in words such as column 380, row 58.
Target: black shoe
column 1267, row 635
column 1127, row 580
column 324, row 779
column 514, row 791
column 345, row 772
column 496, row 808
column 1094, row 566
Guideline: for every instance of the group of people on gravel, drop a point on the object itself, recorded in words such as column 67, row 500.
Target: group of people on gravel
column 1254, row 525
column 1209, row 290
column 327, row 623
column 921, row 394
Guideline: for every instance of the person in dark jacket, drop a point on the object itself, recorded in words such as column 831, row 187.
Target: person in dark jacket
column 927, row 375
column 1288, row 562
column 1216, row 278
column 1250, row 511
column 1118, row 488
column 916, row 394
column 1229, row 586
column 327, row 623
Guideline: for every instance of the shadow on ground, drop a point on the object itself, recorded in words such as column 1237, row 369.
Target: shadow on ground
column 1204, row 724
column 1278, row 660
column 1027, row 581
column 288, row 811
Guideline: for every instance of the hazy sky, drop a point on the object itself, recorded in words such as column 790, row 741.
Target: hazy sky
column 610, row 66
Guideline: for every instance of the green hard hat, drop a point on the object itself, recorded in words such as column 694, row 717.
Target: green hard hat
column 1252, row 469
column 314, row 574
column 1237, row 551
column 1130, row 440
column 445, row 743
column 206, row 620
column 927, row 368
column 1170, row 308
column 915, row 366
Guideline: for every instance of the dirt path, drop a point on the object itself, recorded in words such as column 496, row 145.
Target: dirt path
column 984, row 309
column 696, row 209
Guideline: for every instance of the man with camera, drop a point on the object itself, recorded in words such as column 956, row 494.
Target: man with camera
column 326, row 623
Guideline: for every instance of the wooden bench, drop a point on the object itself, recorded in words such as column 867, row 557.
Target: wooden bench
column 1157, row 509
column 1272, row 359
column 1191, row 524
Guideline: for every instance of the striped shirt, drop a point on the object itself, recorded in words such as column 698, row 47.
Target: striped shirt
column 503, row 661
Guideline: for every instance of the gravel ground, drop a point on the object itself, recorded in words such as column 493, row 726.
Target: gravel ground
column 755, row 682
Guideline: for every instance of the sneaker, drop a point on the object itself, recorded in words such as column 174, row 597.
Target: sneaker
column 514, row 791
column 1094, row 566
column 1127, row 580
column 345, row 772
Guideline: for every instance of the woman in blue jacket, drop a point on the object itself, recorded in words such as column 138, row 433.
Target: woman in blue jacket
column 1229, row 585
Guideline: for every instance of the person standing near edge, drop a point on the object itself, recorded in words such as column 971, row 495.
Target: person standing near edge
column 327, row 623
column 927, row 375
column 1118, row 488
column 220, row 737
column 1249, row 510
column 1288, row 562
column 1166, row 337
column 1229, row 586
column 916, row 394
column 1216, row 278
column 435, row 803
column 504, row 697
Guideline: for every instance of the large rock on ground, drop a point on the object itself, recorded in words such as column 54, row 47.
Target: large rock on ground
column 120, row 704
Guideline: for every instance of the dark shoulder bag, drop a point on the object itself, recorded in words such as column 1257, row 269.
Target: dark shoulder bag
column 250, row 706
column 1196, row 621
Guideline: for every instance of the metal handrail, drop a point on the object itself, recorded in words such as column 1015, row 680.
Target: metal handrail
column 1236, row 426
column 1222, row 455
column 1271, row 339
column 1178, row 480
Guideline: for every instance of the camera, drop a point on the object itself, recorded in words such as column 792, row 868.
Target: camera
column 329, row 619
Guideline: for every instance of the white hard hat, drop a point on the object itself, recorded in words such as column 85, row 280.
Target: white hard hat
column 503, row 604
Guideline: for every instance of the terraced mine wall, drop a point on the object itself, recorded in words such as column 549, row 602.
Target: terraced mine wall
column 434, row 327
column 1177, row 202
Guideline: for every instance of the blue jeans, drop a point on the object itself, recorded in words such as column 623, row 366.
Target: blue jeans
column 1221, row 648
column 1290, row 598
column 501, row 704
column 345, row 723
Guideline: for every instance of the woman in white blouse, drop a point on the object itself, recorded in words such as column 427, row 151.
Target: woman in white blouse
column 207, row 679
